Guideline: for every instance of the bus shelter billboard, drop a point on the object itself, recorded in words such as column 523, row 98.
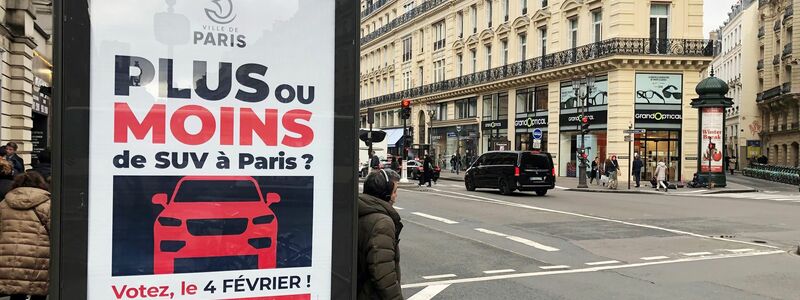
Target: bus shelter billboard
column 209, row 131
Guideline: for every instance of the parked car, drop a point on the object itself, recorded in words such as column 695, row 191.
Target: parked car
column 414, row 169
column 509, row 171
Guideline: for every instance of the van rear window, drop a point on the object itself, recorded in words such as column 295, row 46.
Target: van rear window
column 536, row 161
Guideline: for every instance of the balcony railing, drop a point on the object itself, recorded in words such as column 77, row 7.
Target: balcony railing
column 374, row 7
column 776, row 59
column 403, row 19
column 786, row 88
column 761, row 31
column 760, row 65
column 777, row 25
column 789, row 12
column 787, row 49
column 771, row 93
column 602, row 49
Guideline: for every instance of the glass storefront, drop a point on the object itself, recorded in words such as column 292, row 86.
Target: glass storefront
column 455, row 140
column 656, row 146
column 596, row 147
column 525, row 141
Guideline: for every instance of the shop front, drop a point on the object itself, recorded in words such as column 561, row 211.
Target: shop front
column 494, row 125
column 529, row 130
column 571, row 140
column 458, row 140
column 658, row 110
column 40, row 112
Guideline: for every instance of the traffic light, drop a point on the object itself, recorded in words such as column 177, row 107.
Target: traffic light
column 584, row 124
column 405, row 109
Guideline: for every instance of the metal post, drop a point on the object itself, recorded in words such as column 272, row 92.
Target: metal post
column 582, row 171
column 403, row 169
column 369, row 146
column 630, row 159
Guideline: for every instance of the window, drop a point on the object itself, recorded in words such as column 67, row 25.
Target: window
column 495, row 106
column 659, row 23
column 460, row 64
column 505, row 10
column 504, row 58
column 532, row 100
column 466, row 108
column 460, row 21
column 421, row 76
column 543, row 37
column 421, row 40
column 573, row 32
column 407, row 49
column 524, row 5
column 474, row 60
column 441, row 111
column 597, row 26
column 408, row 7
column 473, row 13
column 489, row 13
column 407, row 80
column 391, row 118
column 488, row 57
column 523, row 47
column 391, row 84
column 438, row 70
column 540, row 95
column 439, row 35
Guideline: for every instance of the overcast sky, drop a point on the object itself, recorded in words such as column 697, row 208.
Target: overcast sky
column 714, row 13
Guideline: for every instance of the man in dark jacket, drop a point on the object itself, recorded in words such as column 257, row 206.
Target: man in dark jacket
column 379, row 229
column 16, row 161
column 637, row 169
column 374, row 161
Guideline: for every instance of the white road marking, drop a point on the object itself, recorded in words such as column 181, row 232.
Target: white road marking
column 697, row 253
column 654, row 257
column 512, row 204
column 739, row 250
column 499, row 271
column 487, row 231
column 429, row 292
column 435, row 218
column 605, row 262
column 561, row 188
column 532, row 243
column 398, row 208
column 591, row 269
column 554, row 267
column 439, row 276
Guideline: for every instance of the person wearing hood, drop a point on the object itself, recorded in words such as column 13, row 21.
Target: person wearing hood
column 24, row 238
column 379, row 229
column 661, row 176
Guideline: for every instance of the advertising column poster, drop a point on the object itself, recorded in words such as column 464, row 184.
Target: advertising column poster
column 211, row 125
column 712, row 139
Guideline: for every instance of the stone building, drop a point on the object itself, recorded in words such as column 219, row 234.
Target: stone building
column 778, row 84
column 26, row 53
column 486, row 74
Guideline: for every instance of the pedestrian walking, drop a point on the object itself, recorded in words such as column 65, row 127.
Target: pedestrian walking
column 595, row 169
column 637, row 169
column 453, row 163
column 611, row 168
column 24, row 238
column 732, row 164
column 427, row 170
column 379, row 226
column 661, row 176
column 374, row 161
column 16, row 161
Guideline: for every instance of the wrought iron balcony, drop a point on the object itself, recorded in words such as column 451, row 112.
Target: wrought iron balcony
column 759, row 97
column 760, row 65
column 761, row 31
column 787, row 50
column 786, row 88
column 602, row 49
column 777, row 25
column 423, row 8
column 374, row 7
column 789, row 12
column 771, row 93
column 776, row 59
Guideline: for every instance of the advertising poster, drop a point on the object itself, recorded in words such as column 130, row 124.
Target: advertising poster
column 659, row 89
column 210, row 149
column 712, row 139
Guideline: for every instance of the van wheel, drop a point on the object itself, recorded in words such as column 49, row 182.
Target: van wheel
column 541, row 192
column 469, row 185
column 504, row 188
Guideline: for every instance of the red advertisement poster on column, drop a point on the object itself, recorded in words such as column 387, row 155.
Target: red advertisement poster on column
column 712, row 139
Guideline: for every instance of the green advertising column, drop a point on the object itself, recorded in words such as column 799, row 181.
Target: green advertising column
column 711, row 105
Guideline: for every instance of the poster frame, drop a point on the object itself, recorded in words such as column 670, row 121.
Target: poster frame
column 71, row 115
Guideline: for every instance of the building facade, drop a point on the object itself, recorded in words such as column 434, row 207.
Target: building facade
column 779, row 87
column 26, row 52
column 498, row 74
column 736, row 62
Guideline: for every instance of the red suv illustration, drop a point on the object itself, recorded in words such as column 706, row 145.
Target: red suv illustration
column 215, row 223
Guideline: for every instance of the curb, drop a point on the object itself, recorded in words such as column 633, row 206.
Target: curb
column 732, row 191
column 610, row 191
column 451, row 179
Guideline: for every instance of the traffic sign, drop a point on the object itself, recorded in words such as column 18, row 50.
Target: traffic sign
column 537, row 134
column 635, row 131
column 627, row 138
column 537, row 144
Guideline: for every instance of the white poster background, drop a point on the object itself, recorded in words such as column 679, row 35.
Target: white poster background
column 658, row 86
column 293, row 38
column 711, row 133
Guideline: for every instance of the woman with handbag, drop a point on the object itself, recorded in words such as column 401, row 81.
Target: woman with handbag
column 25, row 238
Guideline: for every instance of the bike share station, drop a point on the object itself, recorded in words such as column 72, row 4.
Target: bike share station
column 198, row 147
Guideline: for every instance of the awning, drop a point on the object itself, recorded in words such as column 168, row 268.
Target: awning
column 393, row 136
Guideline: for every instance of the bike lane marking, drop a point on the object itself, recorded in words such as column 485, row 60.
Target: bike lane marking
column 435, row 218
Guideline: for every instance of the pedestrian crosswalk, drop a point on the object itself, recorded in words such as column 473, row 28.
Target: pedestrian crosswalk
column 782, row 197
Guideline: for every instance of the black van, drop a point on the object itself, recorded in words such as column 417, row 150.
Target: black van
column 509, row 171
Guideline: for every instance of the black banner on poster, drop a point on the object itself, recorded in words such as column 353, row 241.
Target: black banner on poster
column 497, row 124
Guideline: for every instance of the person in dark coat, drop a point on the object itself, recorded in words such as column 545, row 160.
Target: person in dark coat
column 379, row 226
column 374, row 161
column 43, row 166
column 595, row 169
column 427, row 169
column 6, row 177
column 16, row 161
column 637, row 169
column 395, row 165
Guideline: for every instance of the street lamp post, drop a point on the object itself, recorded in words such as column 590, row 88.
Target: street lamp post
column 431, row 116
column 583, row 88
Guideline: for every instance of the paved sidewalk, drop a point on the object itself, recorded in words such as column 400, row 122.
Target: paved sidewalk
column 569, row 184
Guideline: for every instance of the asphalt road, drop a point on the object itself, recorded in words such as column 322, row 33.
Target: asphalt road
column 571, row 245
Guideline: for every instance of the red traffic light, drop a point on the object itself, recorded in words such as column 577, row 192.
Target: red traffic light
column 406, row 103
column 585, row 119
